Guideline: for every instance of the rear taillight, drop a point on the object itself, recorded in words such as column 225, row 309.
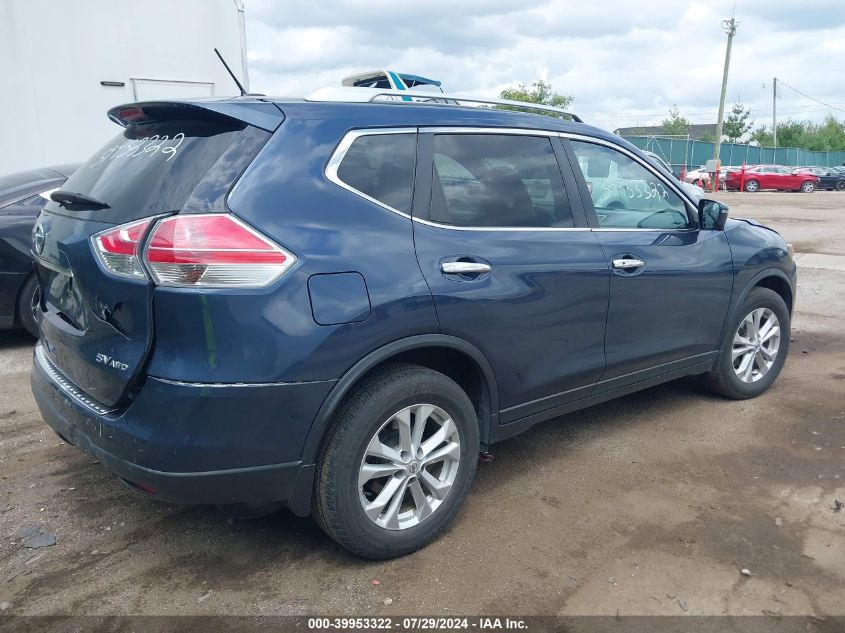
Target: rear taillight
column 119, row 248
column 213, row 250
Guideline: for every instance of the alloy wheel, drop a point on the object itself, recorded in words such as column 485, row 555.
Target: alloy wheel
column 756, row 345
column 409, row 466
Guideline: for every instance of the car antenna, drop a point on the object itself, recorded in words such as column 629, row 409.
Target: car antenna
column 229, row 70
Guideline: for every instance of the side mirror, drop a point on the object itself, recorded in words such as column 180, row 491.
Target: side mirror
column 712, row 215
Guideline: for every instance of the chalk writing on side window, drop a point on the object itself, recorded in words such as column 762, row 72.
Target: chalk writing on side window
column 636, row 189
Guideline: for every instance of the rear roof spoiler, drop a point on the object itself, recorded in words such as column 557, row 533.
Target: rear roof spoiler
column 256, row 112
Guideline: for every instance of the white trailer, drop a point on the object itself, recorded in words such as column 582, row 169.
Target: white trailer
column 64, row 63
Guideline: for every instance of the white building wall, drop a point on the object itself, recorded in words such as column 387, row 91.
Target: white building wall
column 55, row 53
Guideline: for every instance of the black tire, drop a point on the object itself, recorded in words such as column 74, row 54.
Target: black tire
column 336, row 504
column 722, row 378
column 751, row 186
column 840, row 185
column 28, row 300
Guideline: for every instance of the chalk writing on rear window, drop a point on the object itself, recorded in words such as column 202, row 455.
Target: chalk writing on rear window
column 161, row 145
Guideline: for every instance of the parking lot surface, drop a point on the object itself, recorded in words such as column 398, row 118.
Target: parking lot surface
column 650, row 504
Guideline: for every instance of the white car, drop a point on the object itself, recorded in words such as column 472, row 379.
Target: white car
column 698, row 176
column 694, row 191
column 701, row 178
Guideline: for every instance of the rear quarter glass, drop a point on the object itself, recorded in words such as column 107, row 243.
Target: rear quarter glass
column 159, row 167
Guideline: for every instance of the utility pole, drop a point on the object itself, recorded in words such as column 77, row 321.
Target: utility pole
column 729, row 27
column 775, row 112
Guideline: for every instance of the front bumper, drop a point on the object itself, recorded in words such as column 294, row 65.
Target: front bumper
column 195, row 444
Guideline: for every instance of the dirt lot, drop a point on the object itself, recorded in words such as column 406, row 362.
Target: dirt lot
column 652, row 504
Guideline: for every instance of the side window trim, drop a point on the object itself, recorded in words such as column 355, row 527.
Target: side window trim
column 583, row 211
column 587, row 199
column 342, row 148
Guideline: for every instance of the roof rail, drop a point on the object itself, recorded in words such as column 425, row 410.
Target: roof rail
column 368, row 95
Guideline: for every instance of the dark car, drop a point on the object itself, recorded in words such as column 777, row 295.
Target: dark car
column 829, row 178
column 335, row 306
column 22, row 196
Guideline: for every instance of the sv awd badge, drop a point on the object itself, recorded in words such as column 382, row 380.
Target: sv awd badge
column 111, row 362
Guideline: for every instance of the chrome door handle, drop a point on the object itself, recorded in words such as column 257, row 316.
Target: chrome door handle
column 628, row 262
column 463, row 268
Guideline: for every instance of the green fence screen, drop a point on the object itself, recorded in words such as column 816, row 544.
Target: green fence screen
column 682, row 151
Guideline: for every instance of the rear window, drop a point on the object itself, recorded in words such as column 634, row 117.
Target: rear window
column 150, row 168
column 381, row 166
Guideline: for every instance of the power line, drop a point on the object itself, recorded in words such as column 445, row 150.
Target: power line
column 634, row 120
column 803, row 94
column 712, row 113
column 828, row 106
column 810, row 106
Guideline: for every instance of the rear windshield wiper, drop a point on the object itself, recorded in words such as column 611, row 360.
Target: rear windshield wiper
column 77, row 201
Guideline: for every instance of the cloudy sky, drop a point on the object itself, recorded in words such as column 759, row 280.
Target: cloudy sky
column 626, row 63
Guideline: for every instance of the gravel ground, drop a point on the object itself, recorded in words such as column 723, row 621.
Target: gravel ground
column 651, row 504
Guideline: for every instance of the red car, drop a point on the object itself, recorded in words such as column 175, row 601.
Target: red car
column 773, row 177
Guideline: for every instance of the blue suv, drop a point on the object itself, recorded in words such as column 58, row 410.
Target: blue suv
column 334, row 306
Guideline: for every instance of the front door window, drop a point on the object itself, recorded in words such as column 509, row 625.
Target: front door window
column 625, row 194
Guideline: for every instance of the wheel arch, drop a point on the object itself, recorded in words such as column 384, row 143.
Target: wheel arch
column 450, row 355
column 772, row 278
column 778, row 282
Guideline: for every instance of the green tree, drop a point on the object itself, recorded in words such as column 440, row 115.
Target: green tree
column 828, row 136
column 737, row 123
column 675, row 124
column 539, row 92
column 793, row 134
column 762, row 136
column 707, row 137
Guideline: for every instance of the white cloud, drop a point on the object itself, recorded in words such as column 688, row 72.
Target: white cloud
column 696, row 12
column 625, row 63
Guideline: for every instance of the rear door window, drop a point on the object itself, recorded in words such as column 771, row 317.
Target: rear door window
column 497, row 180
column 381, row 166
